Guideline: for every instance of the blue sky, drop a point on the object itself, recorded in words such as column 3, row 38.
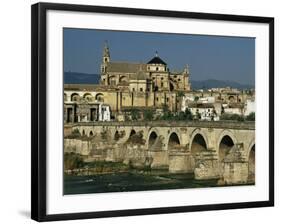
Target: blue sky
column 208, row 57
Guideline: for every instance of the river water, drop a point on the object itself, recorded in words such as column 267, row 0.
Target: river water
column 131, row 181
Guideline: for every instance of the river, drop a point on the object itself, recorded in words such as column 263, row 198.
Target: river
column 131, row 181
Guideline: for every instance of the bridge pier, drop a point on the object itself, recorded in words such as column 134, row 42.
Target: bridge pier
column 180, row 162
column 160, row 159
column 206, row 166
column 235, row 166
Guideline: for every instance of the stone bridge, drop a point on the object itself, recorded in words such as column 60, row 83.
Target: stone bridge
column 210, row 150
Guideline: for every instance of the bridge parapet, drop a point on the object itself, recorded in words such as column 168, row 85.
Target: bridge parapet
column 245, row 125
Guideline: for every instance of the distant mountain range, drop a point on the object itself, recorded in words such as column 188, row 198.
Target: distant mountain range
column 85, row 78
column 81, row 78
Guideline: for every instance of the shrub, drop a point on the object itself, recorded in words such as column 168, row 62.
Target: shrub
column 251, row 117
column 72, row 161
column 148, row 115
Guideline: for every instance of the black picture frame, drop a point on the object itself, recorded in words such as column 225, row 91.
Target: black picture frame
column 38, row 108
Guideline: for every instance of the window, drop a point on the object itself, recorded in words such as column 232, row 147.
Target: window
column 157, row 68
column 133, row 89
column 141, row 89
column 157, row 99
column 167, row 99
column 162, row 84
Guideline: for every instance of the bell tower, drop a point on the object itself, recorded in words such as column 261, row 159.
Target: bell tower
column 106, row 53
column 105, row 58
column 105, row 61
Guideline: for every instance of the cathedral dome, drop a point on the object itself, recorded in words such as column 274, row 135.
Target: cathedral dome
column 156, row 60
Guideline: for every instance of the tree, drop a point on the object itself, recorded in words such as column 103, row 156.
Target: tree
column 188, row 114
column 251, row 117
column 148, row 115
column 72, row 161
column 135, row 114
column 180, row 94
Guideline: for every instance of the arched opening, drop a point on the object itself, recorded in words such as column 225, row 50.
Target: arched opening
column 171, row 87
column 91, row 134
column 174, row 141
column 231, row 99
column 64, row 97
column 83, row 132
column 123, row 80
column 99, row 97
column 152, row 139
column 88, row 96
column 116, row 136
column 75, row 97
column 112, row 81
column 225, row 145
column 132, row 133
column 198, row 145
column 251, row 165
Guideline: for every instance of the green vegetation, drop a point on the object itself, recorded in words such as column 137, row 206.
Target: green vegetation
column 148, row 115
column 232, row 117
column 75, row 134
column 180, row 116
column 180, row 94
column 251, row 117
column 135, row 114
column 72, row 161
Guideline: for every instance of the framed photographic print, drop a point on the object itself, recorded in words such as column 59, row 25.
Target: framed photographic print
column 138, row 111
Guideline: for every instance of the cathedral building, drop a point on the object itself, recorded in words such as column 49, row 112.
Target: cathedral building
column 125, row 86
column 153, row 76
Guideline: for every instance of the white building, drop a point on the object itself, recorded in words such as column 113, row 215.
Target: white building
column 104, row 112
column 204, row 111
column 250, row 107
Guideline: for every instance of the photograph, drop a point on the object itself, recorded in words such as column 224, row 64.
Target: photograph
column 145, row 111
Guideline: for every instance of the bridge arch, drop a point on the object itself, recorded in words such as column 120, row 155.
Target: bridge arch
column 251, row 163
column 224, row 133
column 150, row 131
column 91, row 134
column 226, row 141
column 196, row 133
column 251, row 145
column 173, row 140
column 225, row 146
column 198, row 144
column 152, row 138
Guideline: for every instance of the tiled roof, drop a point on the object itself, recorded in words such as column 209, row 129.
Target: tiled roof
column 125, row 67
column 156, row 60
